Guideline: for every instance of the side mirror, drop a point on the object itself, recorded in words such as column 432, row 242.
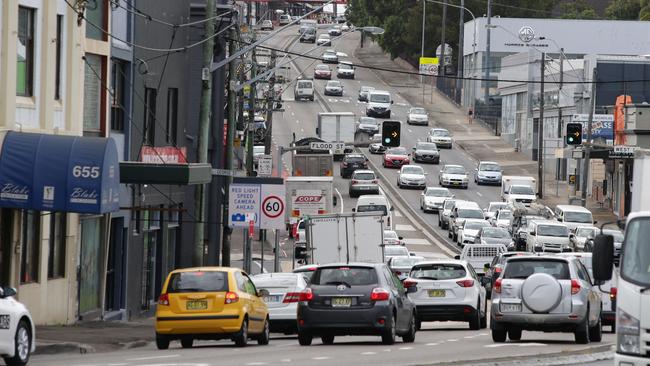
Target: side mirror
column 411, row 254
column 334, row 200
column 595, row 222
column 262, row 292
column 354, row 210
column 603, row 257
column 457, row 257
column 400, row 237
column 7, row 292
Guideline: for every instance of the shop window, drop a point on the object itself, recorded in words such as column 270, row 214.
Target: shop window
column 56, row 258
column 30, row 245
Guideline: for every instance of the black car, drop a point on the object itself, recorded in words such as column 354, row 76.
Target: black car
column 352, row 162
column 426, row 152
column 355, row 299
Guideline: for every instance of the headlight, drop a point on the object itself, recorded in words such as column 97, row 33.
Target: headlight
column 627, row 333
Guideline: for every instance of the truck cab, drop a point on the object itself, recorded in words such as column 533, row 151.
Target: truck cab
column 548, row 236
column 574, row 216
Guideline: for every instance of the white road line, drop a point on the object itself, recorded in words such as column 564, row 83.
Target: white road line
column 387, row 350
column 404, row 228
column 368, row 353
column 302, row 130
column 514, row 345
column 293, row 114
column 416, row 241
column 340, row 199
column 479, row 194
column 398, row 214
column 285, row 360
column 297, row 121
column 432, row 344
column 410, row 130
column 152, row 358
column 405, row 348
column 256, row 363
column 452, row 340
column 320, row 358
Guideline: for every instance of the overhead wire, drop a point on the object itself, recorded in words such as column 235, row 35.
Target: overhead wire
column 138, row 12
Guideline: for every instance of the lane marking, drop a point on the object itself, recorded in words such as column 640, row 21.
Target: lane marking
column 405, row 348
column 452, row 340
column 256, row 363
column 479, row 194
column 321, row 358
column 368, row 353
column 514, row 345
column 285, row 360
column 398, row 214
column 432, row 344
column 416, row 241
column 152, row 358
column 340, row 199
column 404, row 228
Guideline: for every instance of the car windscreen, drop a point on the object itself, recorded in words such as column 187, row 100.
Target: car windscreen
column 490, row 168
column 412, row 170
column 581, row 217
column 469, row 213
column 437, row 193
column 552, row 230
column 345, row 275
column 380, row 98
column 475, row 225
column 395, row 251
column 345, row 66
column 198, row 281
column 426, row 146
column 521, row 269
column 440, row 133
column 495, row 233
column 446, row 271
column 586, row 232
column 373, row 208
column 448, row 204
column 322, row 67
column 454, row 170
column 404, row 261
column 505, row 215
column 635, row 265
column 390, row 235
column 367, row 121
column 396, row 151
column 334, row 84
column 304, row 85
column 418, row 111
column 521, row 190
column 364, row 176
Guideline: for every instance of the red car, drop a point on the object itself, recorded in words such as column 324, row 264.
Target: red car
column 322, row 72
column 396, row 157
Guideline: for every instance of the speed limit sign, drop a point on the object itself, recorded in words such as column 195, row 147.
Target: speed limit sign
column 272, row 207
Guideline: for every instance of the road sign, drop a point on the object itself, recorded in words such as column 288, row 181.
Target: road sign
column 327, row 146
column 623, row 152
column 223, row 172
column 429, row 65
column 248, row 195
column 265, row 166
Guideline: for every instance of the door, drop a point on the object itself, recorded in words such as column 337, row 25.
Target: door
column 6, row 225
column 90, row 265
column 115, row 272
column 258, row 313
column 399, row 293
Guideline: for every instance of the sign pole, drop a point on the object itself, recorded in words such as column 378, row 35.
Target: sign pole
column 247, row 252
column 276, row 252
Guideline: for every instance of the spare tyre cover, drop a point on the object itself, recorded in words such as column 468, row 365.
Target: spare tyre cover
column 541, row 292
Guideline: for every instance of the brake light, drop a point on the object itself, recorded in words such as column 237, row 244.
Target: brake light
column 575, row 287
column 409, row 283
column 398, row 273
column 163, row 299
column 354, row 181
column 497, row 269
column 465, row 283
column 379, row 294
column 231, row 298
column 306, row 295
column 497, row 286
column 297, row 236
column 291, row 297
column 612, row 293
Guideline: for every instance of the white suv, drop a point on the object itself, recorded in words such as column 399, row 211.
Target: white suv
column 17, row 332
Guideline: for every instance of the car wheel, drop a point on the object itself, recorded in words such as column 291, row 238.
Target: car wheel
column 263, row 339
column 241, row 339
column 327, row 339
column 22, row 345
column 514, row 334
column 582, row 331
column 388, row 116
column 439, row 222
column 162, row 341
column 409, row 337
column 498, row 333
column 418, row 323
column 187, row 342
column 475, row 322
column 304, row 339
column 484, row 318
column 388, row 337
column 596, row 332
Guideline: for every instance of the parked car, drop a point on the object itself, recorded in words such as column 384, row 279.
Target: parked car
column 401, row 266
column 376, row 146
column 391, row 238
column 266, row 25
column 228, row 301
column 502, row 219
column 447, row 290
column 488, row 172
column 352, row 162
column 433, row 198
column 334, row 87
column 363, row 93
column 330, row 57
column 284, row 293
column 322, row 72
column 444, row 212
column 363, row 182
column 417, row 116
column 426, row 152
column 580, row 237
column 411, row 176
column 545, row 293
column 368, row 125
column 395, row 251
column 395, row 157
column 469, row 229
column 345, row 70
column 17, row 331
column 362, row 292
column 493, row 207
column 453, row 176
column 441, row 137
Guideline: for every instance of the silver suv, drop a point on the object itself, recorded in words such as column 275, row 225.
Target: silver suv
column 545, row 293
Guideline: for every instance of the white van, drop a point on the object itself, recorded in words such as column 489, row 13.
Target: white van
column 548, row 236
column 379, row 102
column 376, row 202
column 304, row 90
column 574, row 216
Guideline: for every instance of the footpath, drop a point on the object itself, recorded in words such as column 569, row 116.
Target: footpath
column 475, row 138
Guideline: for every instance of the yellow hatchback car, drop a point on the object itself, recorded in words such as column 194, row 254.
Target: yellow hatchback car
column 211, row 303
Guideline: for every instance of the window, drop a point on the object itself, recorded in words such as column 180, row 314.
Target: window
column 56, row 258
column 59, row 42
column 30, row 253
column 200, row 281
column 96, row 19
column 149, row 115
column 172, row 115
column 25, row 52
column 92, row 94
column 118, row 81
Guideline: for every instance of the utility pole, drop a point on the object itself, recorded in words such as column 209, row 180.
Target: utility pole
column 587, row 146
column 204, row 134
column 487, row 55
column 230, row 138
column 441, row 61
column 540, row 133
column 250, row 136
column 560, row 125
column 461, row 46
column 270, row 103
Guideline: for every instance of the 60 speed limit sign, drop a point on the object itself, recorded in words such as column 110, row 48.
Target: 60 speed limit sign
column 272, row 207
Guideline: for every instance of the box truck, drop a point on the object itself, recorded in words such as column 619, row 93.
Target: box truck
column 312, row 165
column 518, row 189
column 308, row 196
column 337, row 127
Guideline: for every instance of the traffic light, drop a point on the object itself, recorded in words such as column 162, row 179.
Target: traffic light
column 391, row 133
column 574, row 133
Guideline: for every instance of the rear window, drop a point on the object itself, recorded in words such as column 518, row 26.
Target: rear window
column 364, row 176
column 470, row 213
column 274, row 281
column 208, row 281
column 438, row 271
column 355, row 159
column 552, row 230
column 449, row 204
column 353, row 276
column 521, row 269
column 373, row 208
column 395, row 251
column 304, row 84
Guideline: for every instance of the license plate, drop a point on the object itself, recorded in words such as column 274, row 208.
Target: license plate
column 455, row 183
column 272, row 298
column 437, row 293
column 197, row 305
column 341, row 301
column 510, row 308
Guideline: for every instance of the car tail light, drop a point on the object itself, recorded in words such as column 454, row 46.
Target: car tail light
column 297, row 236
column 379, row 294
column 231, row 297
column 291, row 297
column 409, row 283
column 497, row 286
column 306, row 295
column 575, row 287
column 354, row 181
column 398, row 273
column 163, row 299
column 465, row 283
column 497, row 269
column 612, row 293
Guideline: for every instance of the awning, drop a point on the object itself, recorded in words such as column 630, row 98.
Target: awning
column 59, row 173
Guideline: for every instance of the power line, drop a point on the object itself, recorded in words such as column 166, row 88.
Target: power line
column 148, row 17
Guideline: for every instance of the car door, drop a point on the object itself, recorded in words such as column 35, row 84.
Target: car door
column 482, row 293
column 399, row 293
column 258, row 315
column 593, row 296
column 6, row 331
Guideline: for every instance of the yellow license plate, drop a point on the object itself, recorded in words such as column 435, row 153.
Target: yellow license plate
column 196, row 305
column 341, row 301
column 436, row 293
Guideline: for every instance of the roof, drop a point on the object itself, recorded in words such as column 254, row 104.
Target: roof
column 532, row 256
column 206, row 269
column 488, row 162
column 572, row 208
column 549, row 222
column 442, row 260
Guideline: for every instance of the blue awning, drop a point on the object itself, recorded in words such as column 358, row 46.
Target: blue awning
column 59, row 173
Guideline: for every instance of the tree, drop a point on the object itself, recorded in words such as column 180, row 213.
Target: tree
column 623, row 10
column 578, row 9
